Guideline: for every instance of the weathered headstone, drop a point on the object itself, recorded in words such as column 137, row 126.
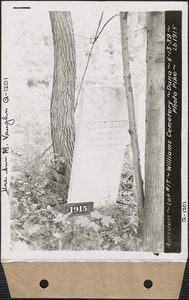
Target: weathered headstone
column 102, row 136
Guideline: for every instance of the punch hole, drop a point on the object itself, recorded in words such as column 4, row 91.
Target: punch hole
column 148, row 284
column 44, row 284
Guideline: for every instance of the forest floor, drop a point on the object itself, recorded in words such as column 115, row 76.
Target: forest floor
column 37, row 194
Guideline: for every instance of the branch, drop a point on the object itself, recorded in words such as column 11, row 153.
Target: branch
column 35, row 160
column 89, row 56
column 131, row 113
column 97, row 34
column 84, row 37
column 105, row 25
column 140, row 29
column 20, row 235
column 48, row 243
column 34, row 188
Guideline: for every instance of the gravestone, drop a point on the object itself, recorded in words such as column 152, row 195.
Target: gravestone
column 101, row 139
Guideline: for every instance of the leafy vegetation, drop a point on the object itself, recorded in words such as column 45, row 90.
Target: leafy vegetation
column 38, row 190
column 39, row 221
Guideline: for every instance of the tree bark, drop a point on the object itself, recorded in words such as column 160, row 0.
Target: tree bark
column 63, row 91
column 131, row 114
column 155, row 122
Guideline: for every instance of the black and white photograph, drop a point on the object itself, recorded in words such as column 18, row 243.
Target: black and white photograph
column 94, row 131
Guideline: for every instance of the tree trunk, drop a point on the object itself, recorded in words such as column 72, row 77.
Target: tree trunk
column 131, row 113
column 155, row 122
column 63, row 91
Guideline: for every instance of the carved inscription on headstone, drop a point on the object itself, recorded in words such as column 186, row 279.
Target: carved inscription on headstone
column 99, row 152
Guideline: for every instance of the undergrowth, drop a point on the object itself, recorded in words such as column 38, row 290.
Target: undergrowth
column 38, row 221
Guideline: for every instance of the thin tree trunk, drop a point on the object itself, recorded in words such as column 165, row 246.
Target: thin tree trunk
column 155, row 120
column 131, row 113
column 63, row 92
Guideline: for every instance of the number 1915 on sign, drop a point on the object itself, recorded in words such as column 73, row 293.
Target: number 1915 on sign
column 82, row 208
